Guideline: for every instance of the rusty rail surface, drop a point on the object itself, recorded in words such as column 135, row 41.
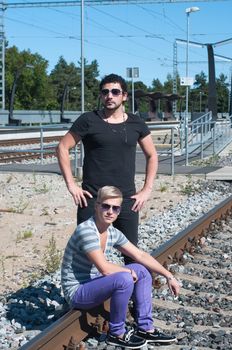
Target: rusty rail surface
column 78, row 324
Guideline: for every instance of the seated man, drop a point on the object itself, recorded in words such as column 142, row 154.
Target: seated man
column 89, row 278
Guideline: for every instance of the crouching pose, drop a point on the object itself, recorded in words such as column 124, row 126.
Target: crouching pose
column 89, row 278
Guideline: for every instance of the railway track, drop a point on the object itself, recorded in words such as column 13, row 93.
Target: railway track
column 21, row 153
column 201, row 317
column 28, row 141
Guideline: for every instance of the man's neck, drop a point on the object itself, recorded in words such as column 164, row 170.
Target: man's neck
column 101, row 226
column 114, row 114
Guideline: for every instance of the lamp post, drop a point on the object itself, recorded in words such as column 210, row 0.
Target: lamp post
column 132, row 73
column 201, row 93
column 13, row 89
column 79, row 170
column 188, row 11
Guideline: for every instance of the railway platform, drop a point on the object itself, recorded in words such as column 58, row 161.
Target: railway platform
column 207, row 172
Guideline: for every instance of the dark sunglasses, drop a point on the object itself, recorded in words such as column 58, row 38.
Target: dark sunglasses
column 114, row 92
column 105, row 207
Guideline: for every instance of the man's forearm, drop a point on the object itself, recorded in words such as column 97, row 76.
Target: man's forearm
column 151, row 170
column 65, row 165
column 153, row 265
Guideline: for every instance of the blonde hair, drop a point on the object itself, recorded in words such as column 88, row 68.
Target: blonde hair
column 108, row 192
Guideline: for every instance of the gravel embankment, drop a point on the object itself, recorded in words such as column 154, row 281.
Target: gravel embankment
column 26, row 312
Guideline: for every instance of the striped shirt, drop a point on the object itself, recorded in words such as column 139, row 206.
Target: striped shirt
column 76, row 267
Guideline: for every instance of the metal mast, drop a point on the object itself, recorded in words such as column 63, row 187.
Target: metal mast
column 174, row 87
column 2, row 57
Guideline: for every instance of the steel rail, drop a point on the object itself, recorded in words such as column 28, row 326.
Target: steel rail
column 187, row 238
column 74, row 326
column 19, row 142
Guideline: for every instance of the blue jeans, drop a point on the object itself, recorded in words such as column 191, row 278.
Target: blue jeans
column 120, row 288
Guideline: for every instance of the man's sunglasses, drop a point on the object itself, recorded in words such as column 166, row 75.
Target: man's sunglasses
column 114, row 92
column 105, row 207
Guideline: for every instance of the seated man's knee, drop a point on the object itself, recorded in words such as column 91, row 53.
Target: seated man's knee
column 124, row 280
column 142, row 271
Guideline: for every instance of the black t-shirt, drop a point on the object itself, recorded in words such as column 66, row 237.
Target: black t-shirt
column 109, row 151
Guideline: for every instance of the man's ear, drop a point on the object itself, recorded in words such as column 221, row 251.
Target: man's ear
column 125, row 96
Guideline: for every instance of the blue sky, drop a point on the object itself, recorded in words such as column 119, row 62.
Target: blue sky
column 121, row 36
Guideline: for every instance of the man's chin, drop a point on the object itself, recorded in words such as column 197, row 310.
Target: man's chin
column 109, row 220
column 110, row 106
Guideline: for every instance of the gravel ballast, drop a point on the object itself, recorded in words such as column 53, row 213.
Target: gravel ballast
column 26, row 311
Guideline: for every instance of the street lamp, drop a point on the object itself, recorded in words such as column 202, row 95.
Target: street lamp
column 188, row 11
column 132, row 73
column 200, row 93
column 12, row 94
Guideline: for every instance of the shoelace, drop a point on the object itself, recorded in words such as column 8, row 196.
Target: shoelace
column 129, row 334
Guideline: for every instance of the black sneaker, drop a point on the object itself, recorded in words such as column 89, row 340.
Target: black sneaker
column 156, row 337
column 129, row 340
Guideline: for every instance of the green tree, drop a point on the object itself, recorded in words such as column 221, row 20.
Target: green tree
column 91, row 85
column 168, row 85
column 157, row 86
column 199, row 93
column 65, row 80
column 222, row 93
column 141, row 103
column 26, row 72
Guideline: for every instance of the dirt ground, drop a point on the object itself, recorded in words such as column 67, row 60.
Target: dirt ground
column 34, row 208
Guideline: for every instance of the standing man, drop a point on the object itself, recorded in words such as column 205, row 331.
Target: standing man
column 110, row 138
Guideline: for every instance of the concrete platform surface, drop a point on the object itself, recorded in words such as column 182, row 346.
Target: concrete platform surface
column 223, row 174
column 207, row 172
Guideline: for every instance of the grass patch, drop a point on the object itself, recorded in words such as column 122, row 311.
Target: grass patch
column 190, row 188
column 19, row 209
column 163, row 188
column 24, row 235
column 2, row 268
column 42, row 190
column 210, row 161
column 52, row 256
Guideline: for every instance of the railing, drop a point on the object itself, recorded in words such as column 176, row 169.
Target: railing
column 47, row 130
column 204, row 136
column 40, row 132
column 170, row 151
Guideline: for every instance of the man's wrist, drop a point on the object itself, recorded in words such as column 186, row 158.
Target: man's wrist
column 170, row 278
column 70, row 183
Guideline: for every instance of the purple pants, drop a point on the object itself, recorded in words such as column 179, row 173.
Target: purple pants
column 120, row 288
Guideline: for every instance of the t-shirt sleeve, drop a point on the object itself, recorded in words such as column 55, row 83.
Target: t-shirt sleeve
column 81, row 125
column 88, row 240
column 144, row 130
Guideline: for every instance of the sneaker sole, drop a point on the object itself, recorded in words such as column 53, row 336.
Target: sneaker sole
column 162, row 341
column 125, row 346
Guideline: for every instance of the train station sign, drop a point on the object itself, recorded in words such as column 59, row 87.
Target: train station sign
column 186, row 81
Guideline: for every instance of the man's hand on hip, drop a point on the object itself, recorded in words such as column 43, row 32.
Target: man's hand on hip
column 140, row 199
column 79, row 195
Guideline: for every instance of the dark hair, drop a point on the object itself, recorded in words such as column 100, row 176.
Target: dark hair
column 113, row 78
